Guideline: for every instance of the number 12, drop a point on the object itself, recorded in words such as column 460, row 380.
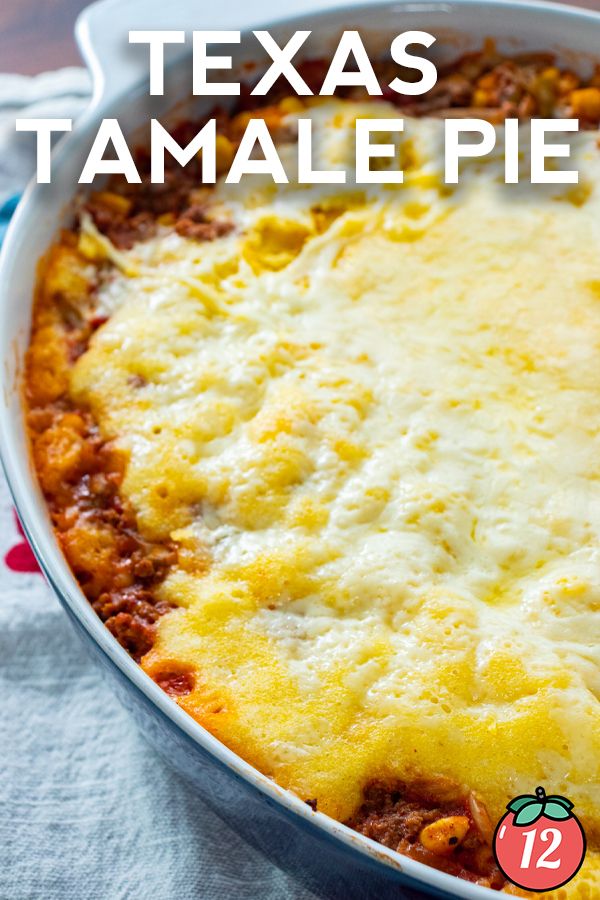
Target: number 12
column 543, row 862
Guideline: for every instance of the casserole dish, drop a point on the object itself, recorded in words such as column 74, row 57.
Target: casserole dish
column 35, row 226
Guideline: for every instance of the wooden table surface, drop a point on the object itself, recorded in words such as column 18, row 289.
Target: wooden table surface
column 36, row 35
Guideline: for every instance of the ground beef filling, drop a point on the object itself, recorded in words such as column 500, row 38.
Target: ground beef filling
column 117, row 569
column 427, row 825
column 484, row 84
column 80, row 473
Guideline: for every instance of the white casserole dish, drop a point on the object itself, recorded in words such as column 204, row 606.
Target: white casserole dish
column 324, row 853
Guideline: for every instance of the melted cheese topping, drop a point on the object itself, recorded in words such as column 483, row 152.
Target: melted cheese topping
column 370, row 421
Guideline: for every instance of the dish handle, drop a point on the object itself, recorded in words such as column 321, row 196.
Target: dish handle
column 102, row 31
column 116, row 65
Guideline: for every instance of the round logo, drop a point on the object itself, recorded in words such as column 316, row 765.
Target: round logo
column 539, row 843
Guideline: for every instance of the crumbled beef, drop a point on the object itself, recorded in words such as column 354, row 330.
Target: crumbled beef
column 395, row 815
column 133, row 633
column 193, row 223
column 118, row 570
column 123, row 231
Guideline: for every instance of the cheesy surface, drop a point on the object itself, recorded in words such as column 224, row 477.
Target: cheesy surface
column 369, row 420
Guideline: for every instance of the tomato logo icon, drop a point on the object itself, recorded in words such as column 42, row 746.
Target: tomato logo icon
column 539, row 843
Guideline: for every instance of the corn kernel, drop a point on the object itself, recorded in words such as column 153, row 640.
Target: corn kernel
column 224, row 153
column 240, row 121
column 90, row 248
column 488, row 81
column 445, row 834
column 586, row 103
column 116, row 202
column 551, row 74
column 291, row 105
column 480, row 97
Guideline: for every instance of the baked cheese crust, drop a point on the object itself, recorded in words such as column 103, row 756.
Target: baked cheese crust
column 368, row 420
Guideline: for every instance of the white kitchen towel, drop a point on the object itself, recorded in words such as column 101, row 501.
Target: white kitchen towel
column 88, row 810
column 62, row 94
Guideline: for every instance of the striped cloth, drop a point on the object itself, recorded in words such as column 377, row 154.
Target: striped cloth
column 6, row 211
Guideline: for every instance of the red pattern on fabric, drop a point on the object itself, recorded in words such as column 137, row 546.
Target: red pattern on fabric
column 20, row 557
